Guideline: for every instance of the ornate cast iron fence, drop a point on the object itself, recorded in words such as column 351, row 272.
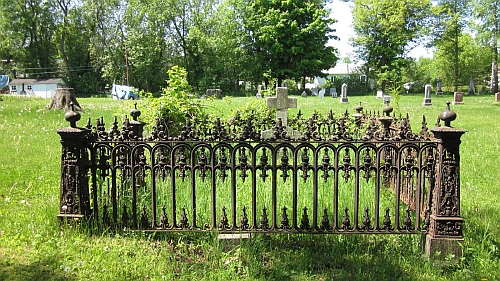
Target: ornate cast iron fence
column 352, row 174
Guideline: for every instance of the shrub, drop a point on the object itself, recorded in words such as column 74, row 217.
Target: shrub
column 173, row 106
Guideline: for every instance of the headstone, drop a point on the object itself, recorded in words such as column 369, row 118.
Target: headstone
column 304, row 94
column 282, row 103
column 259, row 92
column 214, row 92
column 380, row 94
column 471, row 88
column 497, row 97
column 343, row 94
column 427, row 96
column 333, row 92
column 285, row 84
column 439, row 85
column 321, row 93
column 387, row 99
column 314, row 91
column 458, row 98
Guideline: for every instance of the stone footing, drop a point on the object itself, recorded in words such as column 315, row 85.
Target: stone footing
column 443, row 246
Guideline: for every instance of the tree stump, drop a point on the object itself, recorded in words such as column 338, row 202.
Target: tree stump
column 63, row 98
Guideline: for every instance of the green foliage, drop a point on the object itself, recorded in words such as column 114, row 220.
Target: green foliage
column 282, row 32
column 174, row 105
column 386, row 30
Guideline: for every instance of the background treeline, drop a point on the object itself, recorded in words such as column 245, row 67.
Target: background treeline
column 221, row 43
column 236, row 44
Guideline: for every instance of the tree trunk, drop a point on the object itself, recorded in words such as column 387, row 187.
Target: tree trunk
column 63, row 99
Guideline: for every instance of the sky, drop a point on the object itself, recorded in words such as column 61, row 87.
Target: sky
column 342, row 12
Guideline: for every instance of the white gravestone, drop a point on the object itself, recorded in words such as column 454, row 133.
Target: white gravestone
column 380, row 94
column 427, row 97
column 282, row 103
column 343, row 94
column 321, row 93
column 259, row 92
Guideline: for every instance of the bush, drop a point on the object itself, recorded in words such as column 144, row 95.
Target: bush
column 173, row 106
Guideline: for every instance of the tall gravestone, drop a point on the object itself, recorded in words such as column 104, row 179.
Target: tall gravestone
column 471, row 88
column 427, row 96
column 259, row 92
column 343, row 94
column 439, row 87
column 497, row 97
column 314, row 91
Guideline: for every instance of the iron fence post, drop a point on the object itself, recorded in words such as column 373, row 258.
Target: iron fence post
column 74, row 187
column 445, row 229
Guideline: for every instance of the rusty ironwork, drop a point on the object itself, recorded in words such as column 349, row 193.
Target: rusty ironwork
column 360, row 173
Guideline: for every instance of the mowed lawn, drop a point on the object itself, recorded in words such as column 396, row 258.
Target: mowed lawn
column 33, row 246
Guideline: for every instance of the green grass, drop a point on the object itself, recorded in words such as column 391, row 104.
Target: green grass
column 33, row 246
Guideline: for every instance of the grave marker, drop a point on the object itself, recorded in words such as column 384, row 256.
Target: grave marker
column 497, row 97
column 321, row 93
column 333, row 92
column 343, row 94
column 259, row 92
column 458, row 98
column 304, row 94
column 380, row 94
column 282, row 103
column 427, row 96
column 471, row 88
column 387, row 99
column 439, row 85
column 314, row 91
column 212, row 92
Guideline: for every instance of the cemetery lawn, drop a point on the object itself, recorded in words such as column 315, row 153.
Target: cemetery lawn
column 33, row 246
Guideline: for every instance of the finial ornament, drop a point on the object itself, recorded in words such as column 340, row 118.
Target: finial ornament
column 72, row 116
column 447, row 116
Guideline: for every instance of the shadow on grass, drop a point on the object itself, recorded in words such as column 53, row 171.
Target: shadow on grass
column 48, row 269
column 335, row 258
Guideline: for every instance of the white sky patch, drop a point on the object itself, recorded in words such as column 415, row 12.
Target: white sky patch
column 342, row 12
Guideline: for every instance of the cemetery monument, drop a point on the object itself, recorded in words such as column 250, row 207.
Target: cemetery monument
column 343, row 94
column 427, row 96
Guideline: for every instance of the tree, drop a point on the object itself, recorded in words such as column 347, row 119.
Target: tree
column 386, row 30
column 487, row 23
column 29, row 27
column 473, row 62
column 450, row 21
column 289, row 38
column 74, row 35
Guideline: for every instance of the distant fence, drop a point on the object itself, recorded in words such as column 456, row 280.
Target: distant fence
column 362, row 173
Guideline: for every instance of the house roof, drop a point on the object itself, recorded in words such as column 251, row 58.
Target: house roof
column 341, row 69
column 37, row 81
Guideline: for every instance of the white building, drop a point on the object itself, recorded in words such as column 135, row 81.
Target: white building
column 43, row 88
